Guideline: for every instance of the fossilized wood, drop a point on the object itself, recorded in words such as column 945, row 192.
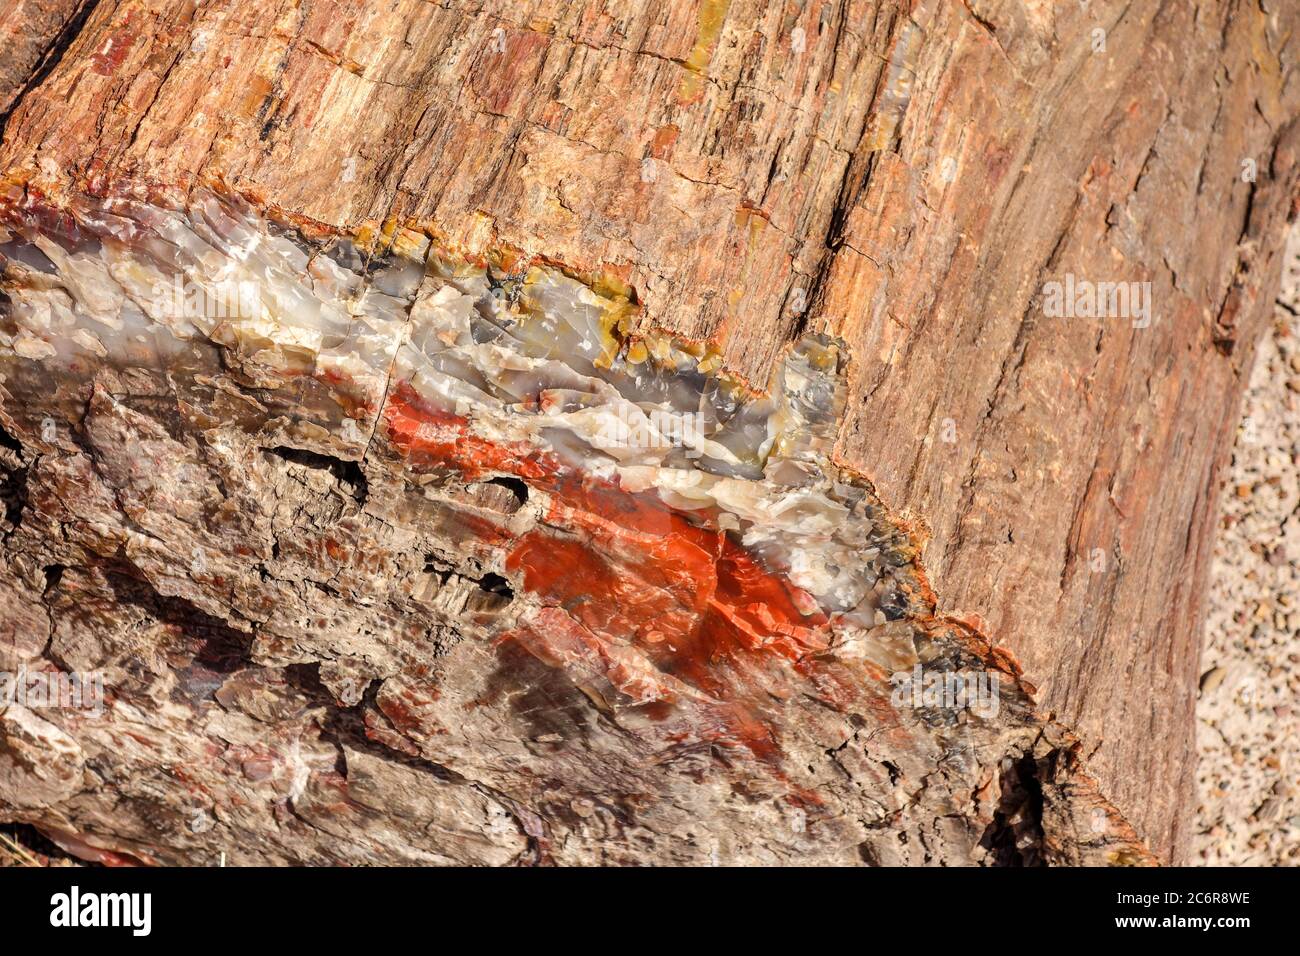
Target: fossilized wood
column 32, row 34
column 702, row 162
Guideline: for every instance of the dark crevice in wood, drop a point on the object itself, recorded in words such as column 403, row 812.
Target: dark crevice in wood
column 50, row 58
column 346, row 473
column 1015, row 837
column 38, row 845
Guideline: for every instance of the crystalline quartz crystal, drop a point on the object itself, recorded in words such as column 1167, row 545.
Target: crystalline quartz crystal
column 700, row 612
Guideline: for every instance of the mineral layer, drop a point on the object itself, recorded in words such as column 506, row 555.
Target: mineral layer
column 388, row 554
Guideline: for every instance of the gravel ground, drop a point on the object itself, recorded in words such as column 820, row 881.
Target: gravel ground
column 1248, row 716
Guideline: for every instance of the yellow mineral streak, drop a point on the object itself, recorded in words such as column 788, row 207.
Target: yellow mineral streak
column 712, row 16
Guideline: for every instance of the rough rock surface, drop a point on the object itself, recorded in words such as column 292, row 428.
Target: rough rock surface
column 902, row 177
column 388, row 556
column 1249, row 721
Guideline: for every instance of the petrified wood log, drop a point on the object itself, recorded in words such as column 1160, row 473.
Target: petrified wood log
column 548, row 432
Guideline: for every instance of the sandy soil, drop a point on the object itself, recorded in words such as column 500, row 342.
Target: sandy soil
column 1248, row 715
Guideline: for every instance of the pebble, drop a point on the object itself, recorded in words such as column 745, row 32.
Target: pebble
column 1211, row 679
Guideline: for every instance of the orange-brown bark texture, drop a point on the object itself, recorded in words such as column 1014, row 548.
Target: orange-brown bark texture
column 902, row 175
